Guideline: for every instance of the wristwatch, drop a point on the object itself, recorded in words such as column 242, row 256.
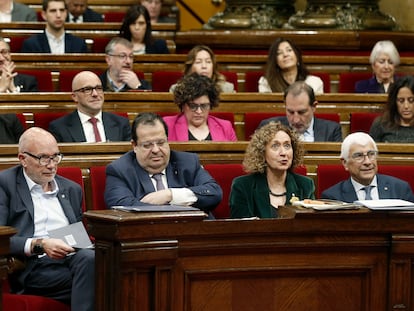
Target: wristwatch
column 38, row 247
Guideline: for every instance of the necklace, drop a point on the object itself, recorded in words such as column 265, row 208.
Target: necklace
column 277, row 194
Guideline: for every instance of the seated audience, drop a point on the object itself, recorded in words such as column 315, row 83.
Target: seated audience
column 120, row 76
column 195, row 96
column 79, row 12
column 10, row 128
column 273, row 152
column 13, row 11
column 151, row 173
column 359, row 154
column 396, row 124
column 136, row 27
column 202, row 60
column 35, row 200
column 384, row 58
column 301, row 105
column 89, row 123
column 11, row 81
column 54, row 39
column 284, row 66
column 154, row 9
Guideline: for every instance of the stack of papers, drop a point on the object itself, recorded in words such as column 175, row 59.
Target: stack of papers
column 387, row 204
column 155, row 208
column 326, row 205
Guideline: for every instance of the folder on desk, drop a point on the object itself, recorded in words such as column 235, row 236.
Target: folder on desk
column 74, row 235
column 387, row 204
column 155, row 208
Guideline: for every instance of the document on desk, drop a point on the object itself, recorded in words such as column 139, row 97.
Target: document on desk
column 387, row 204
column 155, row 208
column 74, row 235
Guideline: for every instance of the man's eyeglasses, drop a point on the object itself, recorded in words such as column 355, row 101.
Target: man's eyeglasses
column 360, row 157
column 89, row 89
column 4, row 52
column 45, row 159
column 151, row 144
column 123, row 56
column 194, row 107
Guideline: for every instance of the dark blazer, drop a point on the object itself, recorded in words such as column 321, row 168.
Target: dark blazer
column 323, row 130
column 108, row 88
column 38, row 44
column 388, row 188
column 10, row 128
column 127, row 182
column 370, row 86
column 69, row 128
column 22, row 13
column 249, row 196
column 158, row 46
column 26, row 83
column 90, row 16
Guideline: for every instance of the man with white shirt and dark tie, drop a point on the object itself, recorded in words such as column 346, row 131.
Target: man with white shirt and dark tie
column 359, row 154
column 79, row 12
column 89, row 123
column 300, row 103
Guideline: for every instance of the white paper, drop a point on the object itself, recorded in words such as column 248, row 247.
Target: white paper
column 387, row 204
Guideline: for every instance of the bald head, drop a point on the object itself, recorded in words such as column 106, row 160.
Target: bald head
column 87, row 93
column 35, row 136
column 85, row 78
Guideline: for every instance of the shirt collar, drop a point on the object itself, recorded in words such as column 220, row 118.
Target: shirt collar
column 84, row 118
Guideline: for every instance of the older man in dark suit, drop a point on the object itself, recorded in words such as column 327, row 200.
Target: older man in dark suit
column 301, row 105
column 89, row 123
column 34, row 200
column 359, row 157
column 79, row 12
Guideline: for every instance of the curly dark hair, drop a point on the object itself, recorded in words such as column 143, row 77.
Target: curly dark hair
column 131, row 16
column 254, row 158
column 273, row 72
column 193, row 86
column 391, row 118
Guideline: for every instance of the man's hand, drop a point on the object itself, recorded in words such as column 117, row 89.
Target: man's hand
column 130, row 78
column 161, row 197
column 7, row 75
column 56, row 248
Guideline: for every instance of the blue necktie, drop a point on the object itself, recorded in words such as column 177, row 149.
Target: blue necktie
column 158, row 179
column 367, row 190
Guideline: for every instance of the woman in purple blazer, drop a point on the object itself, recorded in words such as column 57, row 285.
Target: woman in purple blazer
column 196, row 95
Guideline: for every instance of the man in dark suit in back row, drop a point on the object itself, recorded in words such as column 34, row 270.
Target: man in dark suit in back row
column 301, row 105
column 359, row 157
column 88, row 123
column 79, row 12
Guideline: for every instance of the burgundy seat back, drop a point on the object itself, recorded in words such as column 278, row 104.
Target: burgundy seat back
column 347, row 80
column 74, row 174
column 114, row 17
column 97, row 177
column 43, row 119
column 326, row 79
column 362, row 121
column 43, row 77
column 232, row 78
column 162, row 80
column 329, row 175
column 251, row 81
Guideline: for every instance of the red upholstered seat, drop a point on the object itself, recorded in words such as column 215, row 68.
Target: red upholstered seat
column 99, row 44
column 162, row 80
column 362, row 121
column 43, row 77
column 347, row 80
column 404, row 172
column 22, row 119
column 97, row 178
column 114, row 17
column 232, row 78
column 329, row 175
column 74, row 174
column 42, row 119
column 15, row 302
column 326, row 79
column 16, row 43
column 251, row 81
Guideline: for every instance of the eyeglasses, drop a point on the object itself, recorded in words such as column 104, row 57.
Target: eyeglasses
column 5, row 52
column 89, row 89
column 151, row 144
column 402, row 100
column 45, row 159
column 360, row 157
column 194, row 107
column 123, row 56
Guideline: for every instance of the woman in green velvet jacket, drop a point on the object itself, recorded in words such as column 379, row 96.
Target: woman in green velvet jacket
column 271, row 156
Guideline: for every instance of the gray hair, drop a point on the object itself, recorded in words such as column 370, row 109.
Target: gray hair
column 387, row 47
column 359, row 138
column 118, row 40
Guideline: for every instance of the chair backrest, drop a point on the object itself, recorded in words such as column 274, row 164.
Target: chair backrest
column 361, row 121
column 404, row 172
column 162, row 80
column 347, row 80
column 99, row 44
column 251, row 81
column 232, row 78
column 224, row 175
column 253, row 119
column 16, row 43
column 42, row 119
column 22, row 119
column 97, row 178
column 43, row 77
column 326, row 79
column 329, row 175
column 113, row 17
column 74, row 174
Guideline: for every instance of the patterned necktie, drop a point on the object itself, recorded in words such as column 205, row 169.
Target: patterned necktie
column 367, row 190
column 158, row 179
column 94, row 120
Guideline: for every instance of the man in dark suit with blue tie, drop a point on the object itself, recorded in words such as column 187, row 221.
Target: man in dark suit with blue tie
column 359, row 157
column 131, row 180
column 89, row 123
column 35, row 200
column 300, row 103
column 54, row 39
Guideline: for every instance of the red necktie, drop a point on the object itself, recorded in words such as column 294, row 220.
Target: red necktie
column 94, row 120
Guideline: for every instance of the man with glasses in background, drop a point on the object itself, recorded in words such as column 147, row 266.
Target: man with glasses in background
column 152, row 174
column 359, row 157
column 120, row 75
column 89, row 123
column 35, row 200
